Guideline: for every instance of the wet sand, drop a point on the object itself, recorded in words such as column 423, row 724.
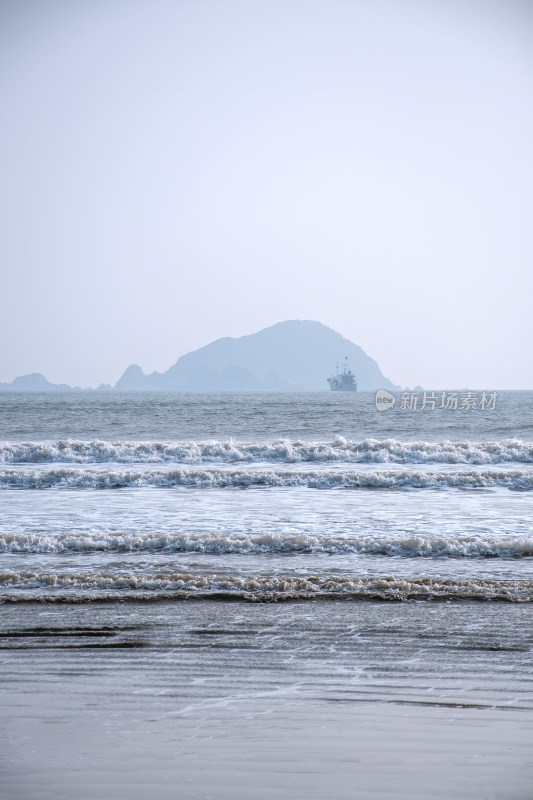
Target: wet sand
column 226, row 700
column 291, row 750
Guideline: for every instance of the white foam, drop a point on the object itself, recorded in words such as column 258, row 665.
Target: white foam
column 284, row 451
column 263, row 588
column 213, row 478
column 412, row 546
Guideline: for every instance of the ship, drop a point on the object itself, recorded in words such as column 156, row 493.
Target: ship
column 343, row 381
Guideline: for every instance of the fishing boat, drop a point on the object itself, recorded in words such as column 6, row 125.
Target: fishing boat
column 343, row 381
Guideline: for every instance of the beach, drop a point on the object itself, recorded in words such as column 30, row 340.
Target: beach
column 227, row 700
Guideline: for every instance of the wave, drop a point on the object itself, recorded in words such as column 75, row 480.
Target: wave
column 379, row 479
column 283, row 451
column 259, row 588
column 412, row 546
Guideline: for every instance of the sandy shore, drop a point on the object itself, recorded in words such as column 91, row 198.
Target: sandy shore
column 259, row 707
column 251, row 750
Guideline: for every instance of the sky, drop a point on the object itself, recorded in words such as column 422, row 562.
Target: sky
column 175, row 172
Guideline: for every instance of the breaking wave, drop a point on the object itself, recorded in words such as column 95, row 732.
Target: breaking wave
column 284, row 451
column 258, row 588
column 213, row 478
column 412, row 546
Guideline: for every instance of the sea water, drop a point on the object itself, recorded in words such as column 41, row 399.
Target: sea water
column 331, row 552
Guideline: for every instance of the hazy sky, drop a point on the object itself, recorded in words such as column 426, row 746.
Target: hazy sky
column 173, row 172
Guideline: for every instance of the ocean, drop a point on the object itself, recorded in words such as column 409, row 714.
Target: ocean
column 263, row 595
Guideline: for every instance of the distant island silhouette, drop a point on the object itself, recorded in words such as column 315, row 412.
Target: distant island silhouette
column 296, row 355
